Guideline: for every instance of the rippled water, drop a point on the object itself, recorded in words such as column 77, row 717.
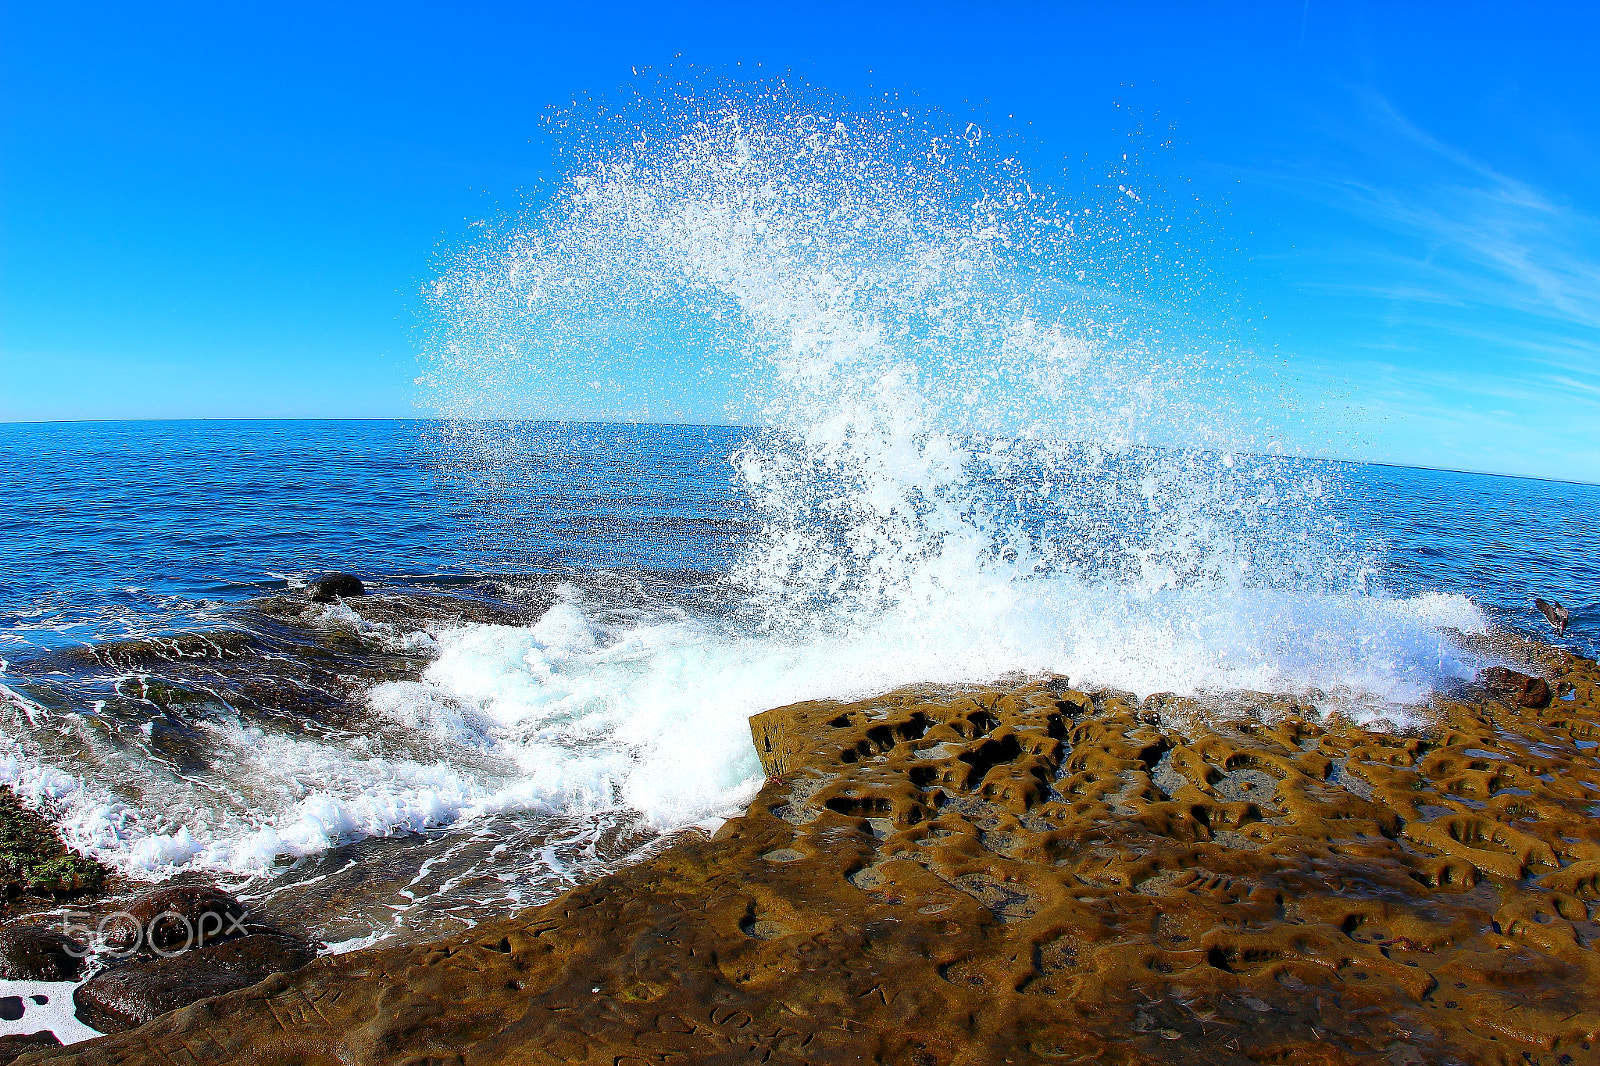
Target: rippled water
column 123, row 528
column 120, row 529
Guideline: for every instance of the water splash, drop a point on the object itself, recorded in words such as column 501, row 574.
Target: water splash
column 982, row 450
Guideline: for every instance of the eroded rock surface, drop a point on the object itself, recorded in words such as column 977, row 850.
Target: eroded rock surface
column 19, row 1044
column 1034, row 875
column 132, row 993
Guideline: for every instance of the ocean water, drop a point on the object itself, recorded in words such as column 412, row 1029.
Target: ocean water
column 624, row 686
column 979, row 456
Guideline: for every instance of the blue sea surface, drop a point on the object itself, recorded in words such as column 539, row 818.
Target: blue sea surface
column 120, row 528
column 117, row 529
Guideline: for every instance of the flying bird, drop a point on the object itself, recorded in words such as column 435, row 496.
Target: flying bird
column 1557, row 615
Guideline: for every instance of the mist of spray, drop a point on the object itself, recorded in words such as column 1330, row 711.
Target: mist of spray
column 974, row 431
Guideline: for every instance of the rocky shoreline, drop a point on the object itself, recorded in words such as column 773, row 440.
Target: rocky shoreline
column 1034, row 874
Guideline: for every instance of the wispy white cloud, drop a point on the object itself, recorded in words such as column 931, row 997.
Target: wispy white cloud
column 1459, row 313
column 1478, row 235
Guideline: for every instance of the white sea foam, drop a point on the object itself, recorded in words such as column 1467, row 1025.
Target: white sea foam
column 55, row 1014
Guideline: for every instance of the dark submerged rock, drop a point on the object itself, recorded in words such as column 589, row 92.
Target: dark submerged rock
column 164, row 695
column 162, row 653
column 329, row 586
column 131, row 994
column 39, row 953
column 1520, row 690
column 12, row 1047
column 175, row 918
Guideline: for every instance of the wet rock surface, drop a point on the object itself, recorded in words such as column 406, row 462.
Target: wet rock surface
column 132, row 993
column 174, row 918
column 1034, row 875
column 330, row 587
column 30, row 952
column 1516, row 687
column 290, row 668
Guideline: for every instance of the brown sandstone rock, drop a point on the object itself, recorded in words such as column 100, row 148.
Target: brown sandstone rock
column 135, row 992
column 1519, row 689
column 39, row 953
column 13, row 1046
column 1034, row 875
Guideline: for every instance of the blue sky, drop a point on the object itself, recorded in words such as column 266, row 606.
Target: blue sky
column 222, row 211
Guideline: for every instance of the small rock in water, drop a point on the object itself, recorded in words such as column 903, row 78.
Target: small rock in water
column 39, row 953
column 17, row 1045
column 1557, row 615
column 328, row 587
column 175, row 919
column 131, row 994
column 1520, row 690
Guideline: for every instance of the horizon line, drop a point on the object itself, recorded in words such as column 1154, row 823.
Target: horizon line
column 730, row 425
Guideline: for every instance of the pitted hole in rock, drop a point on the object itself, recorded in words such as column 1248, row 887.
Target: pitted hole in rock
column 867, row 878
column 1008, row 901
column 965, row 972
column 1340, row 775
column 1166, row 777
column 1247, row 785
column 841, row 722
column 1151, row 754
column 881, row 739
column 1244, row 760
column 1254, row 958
column 756, row 927
column 1233, row 841
column 975, row 725
column 1476, row 833
column 1054, row 956
column 988, row 755
column 859, row 806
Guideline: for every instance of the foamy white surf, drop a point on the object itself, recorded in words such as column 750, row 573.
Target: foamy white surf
column 46, row 1007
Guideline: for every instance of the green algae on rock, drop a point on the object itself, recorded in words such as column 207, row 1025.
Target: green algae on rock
column 33, row 859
